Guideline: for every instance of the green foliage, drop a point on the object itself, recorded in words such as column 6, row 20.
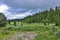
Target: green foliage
column 15, row 23
column 47, row 16
column 58, row 34
column 44, row 32
column 2, row 20
column 5, row 32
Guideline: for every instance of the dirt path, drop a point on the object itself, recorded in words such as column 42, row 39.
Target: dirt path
column 28, row 36
column 23, row 36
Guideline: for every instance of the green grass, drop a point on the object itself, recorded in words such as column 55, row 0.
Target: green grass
column 45, row 32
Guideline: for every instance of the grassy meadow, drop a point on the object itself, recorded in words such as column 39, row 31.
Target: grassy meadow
column 44, row 32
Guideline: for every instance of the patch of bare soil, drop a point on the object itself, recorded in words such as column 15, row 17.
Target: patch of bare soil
column 23, row 36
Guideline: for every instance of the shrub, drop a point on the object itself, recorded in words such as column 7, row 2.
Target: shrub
column 2, row 20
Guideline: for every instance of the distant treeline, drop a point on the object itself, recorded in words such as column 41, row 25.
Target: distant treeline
column 47, row 16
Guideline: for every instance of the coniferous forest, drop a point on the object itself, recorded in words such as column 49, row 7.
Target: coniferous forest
column 47, row 16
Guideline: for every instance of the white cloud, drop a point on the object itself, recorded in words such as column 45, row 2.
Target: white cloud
column 3, row 8
column 20, row 15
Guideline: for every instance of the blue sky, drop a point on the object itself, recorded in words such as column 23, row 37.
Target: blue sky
column 16, row 9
